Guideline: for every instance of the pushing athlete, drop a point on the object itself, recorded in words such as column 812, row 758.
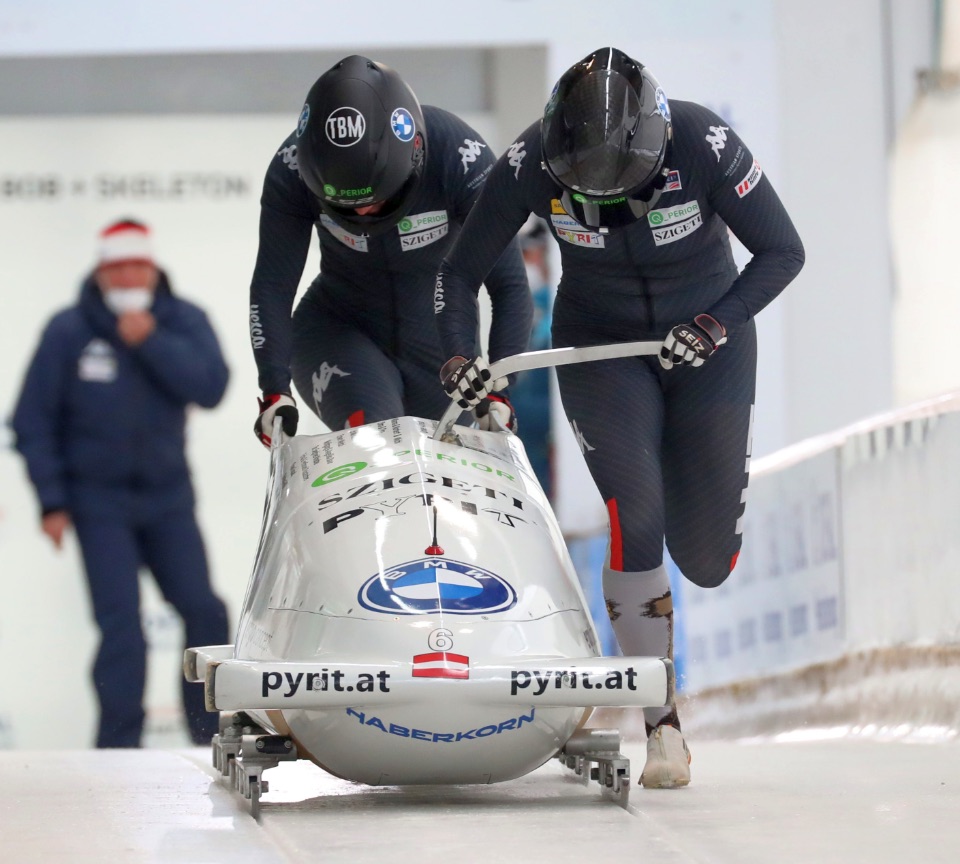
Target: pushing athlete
column 640, row 194
column 387, row 185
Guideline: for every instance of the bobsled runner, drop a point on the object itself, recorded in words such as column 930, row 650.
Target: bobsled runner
column 413, row 616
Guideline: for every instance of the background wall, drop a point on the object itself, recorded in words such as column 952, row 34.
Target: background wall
column 171, row 112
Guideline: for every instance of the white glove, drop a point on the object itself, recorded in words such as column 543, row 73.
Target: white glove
column 692, row 343
column 495, row 414
column 275, row 405
column 469, row 381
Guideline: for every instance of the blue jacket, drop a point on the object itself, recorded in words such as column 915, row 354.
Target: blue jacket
column 101, row 424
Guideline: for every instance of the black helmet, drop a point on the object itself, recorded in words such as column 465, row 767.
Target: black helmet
column 605, row 134
column 362, row 141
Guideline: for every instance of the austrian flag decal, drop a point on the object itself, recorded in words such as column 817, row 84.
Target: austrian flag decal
column 441, row 664
column 752, row 179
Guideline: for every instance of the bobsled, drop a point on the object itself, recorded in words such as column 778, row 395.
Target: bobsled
column 413, row 617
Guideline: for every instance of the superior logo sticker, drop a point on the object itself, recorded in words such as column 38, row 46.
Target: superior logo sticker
column 676, row 213
column 421, row 221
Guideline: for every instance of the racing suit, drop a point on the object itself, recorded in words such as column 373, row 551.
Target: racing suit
column 668, row 450
column 362, row 345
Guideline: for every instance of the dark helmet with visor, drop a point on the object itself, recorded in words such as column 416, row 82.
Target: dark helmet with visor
column 606, row 132
column 361, row 140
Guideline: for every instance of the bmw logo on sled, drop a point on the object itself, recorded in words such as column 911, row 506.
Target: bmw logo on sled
column 413, row 616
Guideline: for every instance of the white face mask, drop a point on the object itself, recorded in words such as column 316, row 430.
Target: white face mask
column 120, row 300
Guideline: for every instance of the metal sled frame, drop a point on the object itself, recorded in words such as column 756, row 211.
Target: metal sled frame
column 612, row 768
column 243, row 749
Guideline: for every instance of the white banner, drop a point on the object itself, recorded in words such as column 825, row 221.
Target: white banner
column 781, row 608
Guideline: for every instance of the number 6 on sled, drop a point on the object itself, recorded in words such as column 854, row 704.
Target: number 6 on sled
column 413, row 616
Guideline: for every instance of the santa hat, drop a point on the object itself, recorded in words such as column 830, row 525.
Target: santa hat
column 125, row 240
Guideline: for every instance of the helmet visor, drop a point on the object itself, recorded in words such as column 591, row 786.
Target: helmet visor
column 602, row 214
column 388, row 214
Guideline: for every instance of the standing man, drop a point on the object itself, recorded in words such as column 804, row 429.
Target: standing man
column 100, row 421
column 387, row 185
column 640, row 194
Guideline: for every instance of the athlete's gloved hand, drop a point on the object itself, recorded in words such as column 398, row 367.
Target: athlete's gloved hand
column 275, row 405
column 468, row 381
column 496, row 414
column 692, row 343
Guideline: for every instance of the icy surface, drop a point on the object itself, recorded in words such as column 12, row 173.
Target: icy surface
column 839, row 799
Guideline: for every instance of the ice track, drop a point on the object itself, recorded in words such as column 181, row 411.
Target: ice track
column 844, row 801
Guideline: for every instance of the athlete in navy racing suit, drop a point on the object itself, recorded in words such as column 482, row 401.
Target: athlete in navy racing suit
column 362, row 344
column 666, row 440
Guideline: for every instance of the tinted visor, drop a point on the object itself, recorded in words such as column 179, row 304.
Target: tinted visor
column 605, row 213
column 602, row 214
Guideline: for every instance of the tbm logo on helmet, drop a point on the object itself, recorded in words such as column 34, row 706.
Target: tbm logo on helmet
column 362, row 149
column 345, row 127
column 605, row 140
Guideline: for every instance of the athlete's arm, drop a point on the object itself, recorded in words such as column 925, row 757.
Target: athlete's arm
column 285, row 228
column 751, row 208
column 482, row 247
column 468, row 167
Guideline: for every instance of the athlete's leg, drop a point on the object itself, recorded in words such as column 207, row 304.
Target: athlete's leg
column 615, row 409
column 341, row 374
column 706, row 453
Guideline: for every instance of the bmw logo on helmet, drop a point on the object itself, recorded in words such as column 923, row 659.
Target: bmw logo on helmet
column 662, row 105
column 436, row 585
column 302, row 122
column 403, row 125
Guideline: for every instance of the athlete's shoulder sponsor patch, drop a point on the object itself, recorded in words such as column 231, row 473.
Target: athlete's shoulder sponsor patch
column 469, row 152
column 716, row 137
column 358, row 244
column 477, row 179
column 515, row 154
column 673, row 182
column 289, row 156
column 745, row 186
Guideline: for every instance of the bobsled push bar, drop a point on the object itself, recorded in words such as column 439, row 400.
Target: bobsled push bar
column 236, row 685
column 550, row 357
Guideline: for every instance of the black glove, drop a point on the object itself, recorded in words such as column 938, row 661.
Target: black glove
column 692, row 343
column 275, row 405
column 468, row 381
column 495, row 414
